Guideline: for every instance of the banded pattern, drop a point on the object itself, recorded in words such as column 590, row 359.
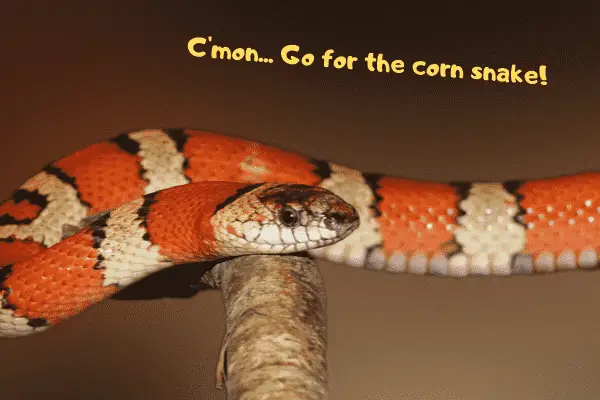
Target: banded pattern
column 186, row 223
column 117, row 234
column 407, row 226
column 41, row 222
column 160, row 159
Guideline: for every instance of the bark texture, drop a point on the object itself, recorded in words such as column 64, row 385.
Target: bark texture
column 276, row 340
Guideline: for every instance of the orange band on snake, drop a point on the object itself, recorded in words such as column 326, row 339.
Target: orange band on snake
column 451, row 229
column 188, row 223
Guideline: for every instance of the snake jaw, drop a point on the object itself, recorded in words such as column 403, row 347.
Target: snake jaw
column 283, row 218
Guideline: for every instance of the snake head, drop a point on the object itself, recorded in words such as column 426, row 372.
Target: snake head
column 283, row 218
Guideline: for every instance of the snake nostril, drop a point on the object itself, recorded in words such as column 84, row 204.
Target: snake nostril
column 338, row 217
column 331, row 223
column 335, row 220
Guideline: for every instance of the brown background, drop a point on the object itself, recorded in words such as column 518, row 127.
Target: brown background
column 72, row 76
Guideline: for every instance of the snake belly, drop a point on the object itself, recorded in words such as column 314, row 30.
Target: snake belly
column 452, row 229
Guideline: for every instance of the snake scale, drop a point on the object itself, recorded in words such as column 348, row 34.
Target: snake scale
column 95, row 221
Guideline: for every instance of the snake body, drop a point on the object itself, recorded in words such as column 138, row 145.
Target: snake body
column 137, row 191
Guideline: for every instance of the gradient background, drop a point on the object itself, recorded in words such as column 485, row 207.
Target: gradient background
column 76, row 74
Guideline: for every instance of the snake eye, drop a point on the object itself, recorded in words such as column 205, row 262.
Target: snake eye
column 288, row 216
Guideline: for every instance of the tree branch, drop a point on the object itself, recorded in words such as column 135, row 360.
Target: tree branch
column 275, row 341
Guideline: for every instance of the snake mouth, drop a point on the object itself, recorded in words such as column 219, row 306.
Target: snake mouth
column 347, row 229
column 280, row 239
column 284, row 218
column 292, row 248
